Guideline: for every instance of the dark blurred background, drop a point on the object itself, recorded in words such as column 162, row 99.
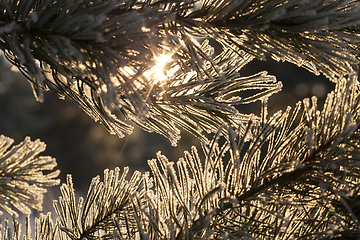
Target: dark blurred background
column 84, row 148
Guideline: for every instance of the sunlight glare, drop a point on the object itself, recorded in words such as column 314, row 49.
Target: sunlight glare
column 158, row 72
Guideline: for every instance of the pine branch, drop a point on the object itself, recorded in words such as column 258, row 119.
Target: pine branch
column 22, row 181
column 103, row 55
column 291, row 176
column 321, row 36
column 299, row 165
column 82, row 50
column 324, row 176
column 87, row 219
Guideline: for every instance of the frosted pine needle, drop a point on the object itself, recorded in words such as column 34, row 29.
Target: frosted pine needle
column 22, row 182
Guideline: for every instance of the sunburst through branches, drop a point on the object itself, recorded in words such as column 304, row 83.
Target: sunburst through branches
column 162, row 69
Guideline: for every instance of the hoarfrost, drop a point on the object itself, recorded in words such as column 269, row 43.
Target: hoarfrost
column 22, row 176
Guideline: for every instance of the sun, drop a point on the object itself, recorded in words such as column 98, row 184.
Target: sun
column 161, row 61
column 158, row 72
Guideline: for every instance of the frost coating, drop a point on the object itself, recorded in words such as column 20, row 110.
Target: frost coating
column 260, row 183
column 291, row 175
column 22, row 182
column 99, row 54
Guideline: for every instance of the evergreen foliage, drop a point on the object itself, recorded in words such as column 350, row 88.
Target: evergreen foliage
column 292, row 175
column 22, row 182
